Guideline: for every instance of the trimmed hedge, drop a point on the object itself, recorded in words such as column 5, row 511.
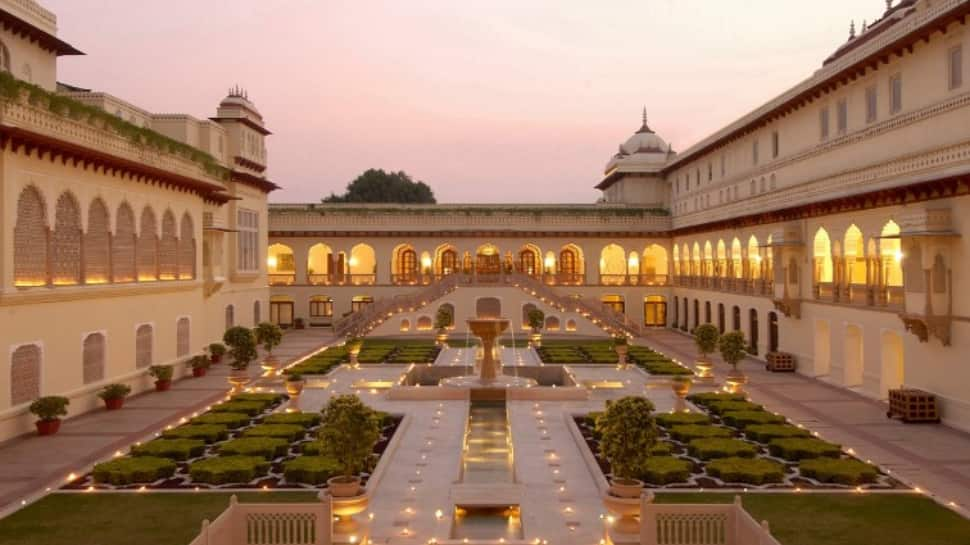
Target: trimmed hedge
column 678, row 419
column 743, row 419
column 662, row 470
column 764, row 433
column 721, row 407
column 269, row 448
column 312, row 448
column 706, row 398
column 838, row 470
column 310, row 469
column 173, row 449
column 665, row 368
column 251, row 408
column 802, row 448
column 661, row 448
column 693, row 431
column 228, row 469
column 290, row 432
column 210, row 433
column 268, row 399
column 708, row 449
column 230, row 420
column 307, row 420
column 141, row 469
column 754, row 471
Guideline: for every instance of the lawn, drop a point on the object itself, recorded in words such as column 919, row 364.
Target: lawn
column 122, row 519
column 846, row 519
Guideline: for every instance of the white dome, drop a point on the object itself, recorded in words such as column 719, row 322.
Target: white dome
column 644, row 141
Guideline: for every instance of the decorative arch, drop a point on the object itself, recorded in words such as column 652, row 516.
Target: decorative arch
column 854, row 253
column 66, row 241
column 147, row 246
column 363, row 264
column 754, row 258
column 571, row 266
column 697, row 267
column 30, row 239
column 144, row 341
column 183, row 336
column 570, row 325
column 319, row 263
column 404, row 264
column 186, row 248
column 123, row 245
column 653, row 265
column 529, row 260
column 97, row 244
column 92, row 358
column 721, row 268
column 737, row 268
column 488, row 307
column 891, row 255
column 405, row 325
column 707, row 267
column 446, row 260
column 424, row 323
column 822, row 254
column 25, row 374
column 552, row 323
column 612, row 265
column 893, row 363
column 279, row 259
column 168, row 248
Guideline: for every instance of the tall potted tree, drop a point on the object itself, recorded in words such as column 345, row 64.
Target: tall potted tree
column 348, row 433
column 733, row 348
column 627, row 433
column 443, row 319
column 705, row 337
column 536, row 318
column 270, row 336
column 242, row 351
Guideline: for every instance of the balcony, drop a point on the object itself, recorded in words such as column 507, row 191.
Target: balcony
column 281, row 279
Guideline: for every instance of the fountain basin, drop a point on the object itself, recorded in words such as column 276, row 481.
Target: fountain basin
column 548, row 382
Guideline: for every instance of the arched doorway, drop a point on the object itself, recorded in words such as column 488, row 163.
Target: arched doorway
column 753, row 330
column 528, row 263
column 736, row 318
column 405, row 269
column 772, row 332
column 280, row 266
column 488, row 260
column 720, row 318
column 654, row 311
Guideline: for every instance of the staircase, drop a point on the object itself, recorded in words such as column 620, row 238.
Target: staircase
column 363, row 321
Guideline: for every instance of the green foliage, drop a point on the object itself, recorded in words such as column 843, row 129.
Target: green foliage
column 733, row 347
column 535, row 318
column 838, row 470
column 251, row 408
column 266, row 399
column 114, row 391
column 217, row 349
column 49, row 407
column 268, row 335
column 161, row 372
column 378, row 186
column 210, row 433
column 353, row 343
column 705, row 337
column 707, row 449
column 200, row 362
column 444, row 318
column 661, row 470
column 666, row 368
column 141, row 469
column 688, row 432
column 227, row 419
column 173, row 449
column 294, row 377
column 764, row 433
column 307, row 420
column 349, row 432
column 627, row 431
column 269, row 448
column 620, row 340
column 678, row 419
column 721, row 407
column 661, row 448
column 802, row 448
column 228, row 469
column 706, row 398
column 290, row 432
column 242, row 346
column 754, row 471
column 743, row 419
column 310, row 469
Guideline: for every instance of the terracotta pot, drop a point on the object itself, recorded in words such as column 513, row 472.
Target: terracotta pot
column 48, row 427
column 342, row 487
column 215, row 359
column 626, row 488
column 295, row 387
column 198, row 371
column 163, row 385
column 114, row 403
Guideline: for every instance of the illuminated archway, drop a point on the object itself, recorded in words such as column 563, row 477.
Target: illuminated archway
column 736, row 261
column 280, row 266
column 446, row 260
column 891, row 255
column 721, row 269
column 528, row 261
column 319, row 263
column 754, row 258
column 855, row 257
column 362, row 265
column 612, row 265
column 822, row 257
column 708, row 265
column 653, row 265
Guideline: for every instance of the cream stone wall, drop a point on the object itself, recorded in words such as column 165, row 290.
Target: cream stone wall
column 29, row 62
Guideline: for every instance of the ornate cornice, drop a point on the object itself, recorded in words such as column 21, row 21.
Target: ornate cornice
column 44, row 39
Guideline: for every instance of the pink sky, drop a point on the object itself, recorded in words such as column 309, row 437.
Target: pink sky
column 502, row 101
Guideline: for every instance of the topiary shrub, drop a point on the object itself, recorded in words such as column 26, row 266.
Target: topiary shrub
column 173, row 449
column 268, row 335
column 210, row 433
column 661, row 470
column 627, row 433
column 307, row 420
column 710, row 448
column 742, row 419
column 678, row 419
column 688, row 432
column 535, row 318
column 754, row 471
column 838, row 470
column 229, row 420
column 706, row 398
column 661, row 448
column 242, row 346
column 141, row 469
column 764, row 433
column 801, row 448
column 310, row 469
column 267, row 399
column 733, row 348
column 720, row 407
column 290, row 432
column 228, row 469
column 268, row 447
column 348, row 433
column 705, row 337
column 250, row 408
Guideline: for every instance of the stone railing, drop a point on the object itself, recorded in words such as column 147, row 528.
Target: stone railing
column 700, row 524
column 362, row 321
column 270, row 524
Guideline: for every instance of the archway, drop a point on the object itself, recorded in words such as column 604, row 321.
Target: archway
column 737, row 269
column 404, row 264
column 653, row 266
column 362, row 265
column 612, row 265
column 736, row 318
column 721, row 267
column 528, row 260
column 280, row 267
column 570, row 266
column 855, row 258
column 320, row 264
column 707, row 312
column 822, row 352
column 754, row 259
column 446, row 260
column 891, row 256
column 853, row 356
column 822, row 258
column 697, row 313
column 753, row 330
column 893, row 363
column 707, row 267
column 614, row 302
column 720, row 318
column 488, row 260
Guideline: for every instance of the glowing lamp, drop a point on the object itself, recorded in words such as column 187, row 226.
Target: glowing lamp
column 271, row 261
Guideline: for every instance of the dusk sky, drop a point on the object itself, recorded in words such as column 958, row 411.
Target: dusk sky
column 503, row 101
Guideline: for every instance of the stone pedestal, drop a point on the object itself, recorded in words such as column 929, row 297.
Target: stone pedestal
column 488, row 329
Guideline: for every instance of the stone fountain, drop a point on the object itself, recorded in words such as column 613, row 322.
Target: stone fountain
column 489, row 368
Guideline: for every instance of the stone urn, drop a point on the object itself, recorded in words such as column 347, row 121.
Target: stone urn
column 270, row 365
column 623, row 501
column 681, row 384
column 441, row 338
column 735, row 380
column 704, row 369
column 294, row 387
column 621, row 352
column 344, row 509
column 343, row 487
column 238, row 378
column 626, row 488
column 353, row 350
column 536, row 339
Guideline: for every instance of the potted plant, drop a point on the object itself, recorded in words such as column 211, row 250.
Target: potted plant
column 353, row 346
column 443, row 319
column 705, row 337
column 242, row 350
column 681, row 385
column 535, row 318
column 348, row 433
column 294, row 384
column 269, row 336
column 627, row 433
column 299, row 323
column 162, row 375
column 49, row 410
column 199, row 364
column 620, row 345
column 733, row 348
column 216, row 350
column 114, row 395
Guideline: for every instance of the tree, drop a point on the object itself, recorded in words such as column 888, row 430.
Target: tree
column 444, row 318
column 376, row 185
column 733, row 348
column 705, row 336
column 348, row 433
column 269, row 335
column 242, row 346
column 628, row 431
column 535, row 319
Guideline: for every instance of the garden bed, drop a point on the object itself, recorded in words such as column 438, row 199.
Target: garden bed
column 373, row 351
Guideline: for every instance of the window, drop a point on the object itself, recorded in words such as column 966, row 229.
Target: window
column 92, row 354
column 143, row 346
column 723, row 164
column 955, row 62
column 359, row 302
column 842, row 116
column 895, row 93
column 25, row 374
column 248, row 251
column 183, row 331
column 872, row 111
column 751, row 191
column 4, row 58
column 823, row 121
column 710, row 172
column 754, row 152
column 321, row 306
column 774, row 145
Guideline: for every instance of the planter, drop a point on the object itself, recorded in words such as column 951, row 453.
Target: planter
column 735, row 381
column 626, row 488
column 270, row 364
column 198, row 371
column 238, row 378
column 704, row 369
column 441, row 338
column 48, row 427
column 681, row 388
column 536, row 339
column 114, row 404
column 215, row 359
column 295, row 387
column 626, row 509
column 163, row 385
column 344, row 487
column 354, row 352
column 621, row 352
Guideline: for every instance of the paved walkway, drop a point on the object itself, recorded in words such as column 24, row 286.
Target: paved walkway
column 933, row 457
column 31, row 464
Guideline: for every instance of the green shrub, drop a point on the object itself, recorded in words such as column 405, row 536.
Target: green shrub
column 743, row 419
column 689, row 432
column 665, row 368
column 307, row 420
column 678, row 419
column 267, row 399
column 661, row 448
column 707, row 398
column 628, row 433
column 114, row 391
column 662, row 470
column 174, row 449
column 710, row 448
column 764, row 433
column 210, row 433
column 349, row 432
column 838, row 470
column 290, row 432
column 310, row 469
column 50, row 407
column 228, row 469
column 721, row 407
column 230, row 420
column 801, row 448
column 141, row 469
column 267, row 447
column 251, row 408
column 754, row 471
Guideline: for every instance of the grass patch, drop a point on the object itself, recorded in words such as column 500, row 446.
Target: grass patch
column 173, row 449
column 141, row 469
column 680, row 419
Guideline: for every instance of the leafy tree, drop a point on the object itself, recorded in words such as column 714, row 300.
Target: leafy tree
column 348, row 433
column 535, row 319
column 378, row 186
column 444, row 318
column 705, row 336
column 242, row 346
column 269, row 335
column 628, row 432
column 733, row 348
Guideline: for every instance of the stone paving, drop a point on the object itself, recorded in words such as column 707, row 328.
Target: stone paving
column 29, row 465
column 932, row 457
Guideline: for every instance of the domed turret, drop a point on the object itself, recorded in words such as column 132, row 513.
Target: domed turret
column 633, row 174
